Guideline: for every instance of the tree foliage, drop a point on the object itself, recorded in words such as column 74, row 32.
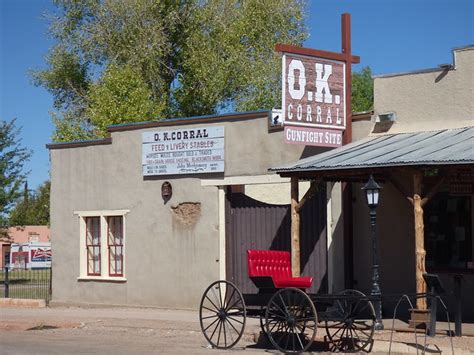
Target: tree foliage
column 362, row 90
column 185, row 57
column 120, row 96
column 13, row 156
column 32, row 209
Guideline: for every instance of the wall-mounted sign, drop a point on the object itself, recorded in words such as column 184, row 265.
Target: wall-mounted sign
column 183, row 151
column 313, row 97
column 313, row 136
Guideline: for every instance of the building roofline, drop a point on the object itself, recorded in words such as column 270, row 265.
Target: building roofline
column 440, row 68
column 466, row 47
column 163, row 123
column 76, row 144
column 187, row 120
column 411, row 72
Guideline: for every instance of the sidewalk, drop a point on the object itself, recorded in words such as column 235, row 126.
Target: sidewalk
column 151, row 330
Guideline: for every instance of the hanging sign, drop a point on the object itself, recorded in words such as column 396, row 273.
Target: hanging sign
column 313, row 96
column 183, row 151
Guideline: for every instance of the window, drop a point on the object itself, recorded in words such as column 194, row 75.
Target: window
column 102, row 238
column 115, row 239
column 448, row 232
column 33, row 237
column 93, row 245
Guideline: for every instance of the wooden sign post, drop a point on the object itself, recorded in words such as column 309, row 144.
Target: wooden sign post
column 313, row 110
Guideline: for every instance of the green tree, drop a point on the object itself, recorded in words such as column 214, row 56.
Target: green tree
column 120, row 96
column 13, row 156
column 32, row 208
column 186, row 57
column 362, row 90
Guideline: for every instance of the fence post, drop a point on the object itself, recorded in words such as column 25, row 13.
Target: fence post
column 50, row 283
column 7, row 283
column 458, row 306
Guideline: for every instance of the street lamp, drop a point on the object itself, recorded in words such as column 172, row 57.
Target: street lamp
column 372, row 192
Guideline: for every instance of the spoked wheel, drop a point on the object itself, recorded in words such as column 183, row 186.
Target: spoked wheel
column 352, row 322
column 222, row 314
column 263, row 324
column 291, row 321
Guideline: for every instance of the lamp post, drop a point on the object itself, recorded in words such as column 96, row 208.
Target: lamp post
column 372, row 192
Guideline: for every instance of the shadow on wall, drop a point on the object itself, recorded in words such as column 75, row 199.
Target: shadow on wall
column 313, row 241
column 257, row 225
column 309, row 151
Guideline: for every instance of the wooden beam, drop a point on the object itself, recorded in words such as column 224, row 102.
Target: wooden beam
column 312, row 189
column 433, row 191
column 341, row 57
column 295, row 228
column 400, row 188
column 346, row 49
column 419, row 238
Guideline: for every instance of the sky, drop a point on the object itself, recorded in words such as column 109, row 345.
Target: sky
column 390, row 36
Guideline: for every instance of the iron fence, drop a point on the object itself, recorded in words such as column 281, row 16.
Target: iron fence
column 26, row 283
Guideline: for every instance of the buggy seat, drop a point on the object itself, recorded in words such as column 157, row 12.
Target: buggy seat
column 272, row 269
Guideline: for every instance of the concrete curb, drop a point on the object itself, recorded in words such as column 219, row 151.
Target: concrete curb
column 21, row 303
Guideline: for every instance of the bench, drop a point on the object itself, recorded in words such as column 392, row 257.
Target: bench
column 271, row 269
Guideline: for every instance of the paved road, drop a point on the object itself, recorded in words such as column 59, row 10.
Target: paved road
column 62, row 330
column 103, row 331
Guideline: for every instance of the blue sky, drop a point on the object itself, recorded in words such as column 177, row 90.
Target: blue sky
column 389, row 35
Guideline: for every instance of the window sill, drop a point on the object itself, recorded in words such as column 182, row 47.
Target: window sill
column 102, row 279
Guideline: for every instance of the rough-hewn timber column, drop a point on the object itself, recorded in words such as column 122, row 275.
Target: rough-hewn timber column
column 419, row 239
column 295, row 228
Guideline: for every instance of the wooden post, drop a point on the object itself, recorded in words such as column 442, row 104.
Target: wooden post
column 419, row 239
column 295, row 228
column 346, row 49
column 418, row 203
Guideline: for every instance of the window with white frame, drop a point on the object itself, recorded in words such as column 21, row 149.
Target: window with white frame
column 115, row 245
column 93, row 245
column 102, row 239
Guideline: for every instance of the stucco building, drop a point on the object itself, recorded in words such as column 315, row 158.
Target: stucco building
column 123, row 239
column 426, row 101
column 133, row 223
column 419, row 142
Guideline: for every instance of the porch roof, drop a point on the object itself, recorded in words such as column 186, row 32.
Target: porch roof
column 433, row 148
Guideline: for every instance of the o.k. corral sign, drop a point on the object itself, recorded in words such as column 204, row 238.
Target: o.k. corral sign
column 314, row 107
column 183, row 151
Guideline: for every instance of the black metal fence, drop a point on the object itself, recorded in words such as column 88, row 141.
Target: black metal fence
column 26, row 283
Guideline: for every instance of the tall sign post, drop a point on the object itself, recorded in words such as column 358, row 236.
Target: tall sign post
column 316, row 104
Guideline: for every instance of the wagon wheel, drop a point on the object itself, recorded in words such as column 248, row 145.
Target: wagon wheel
column 291, row 321
column 263, row 324
column 351, row 324
column 222, row 314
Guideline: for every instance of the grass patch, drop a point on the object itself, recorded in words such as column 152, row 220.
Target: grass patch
column 39, row 275
column 27, row 284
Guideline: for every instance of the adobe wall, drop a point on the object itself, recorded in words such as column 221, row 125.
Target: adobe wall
column 423, row 101
column 168, row 263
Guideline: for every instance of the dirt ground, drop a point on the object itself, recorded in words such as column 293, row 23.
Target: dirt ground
column 71, row 330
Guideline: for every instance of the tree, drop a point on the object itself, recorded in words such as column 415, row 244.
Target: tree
column 186, row 57
column 120, row 96
column 362, row 90
column 33, row 208
column 12, row 159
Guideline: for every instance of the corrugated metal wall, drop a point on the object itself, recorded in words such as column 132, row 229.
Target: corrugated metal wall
column 253, row 224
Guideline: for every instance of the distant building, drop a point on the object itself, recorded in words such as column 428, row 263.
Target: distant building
column 21, row 235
